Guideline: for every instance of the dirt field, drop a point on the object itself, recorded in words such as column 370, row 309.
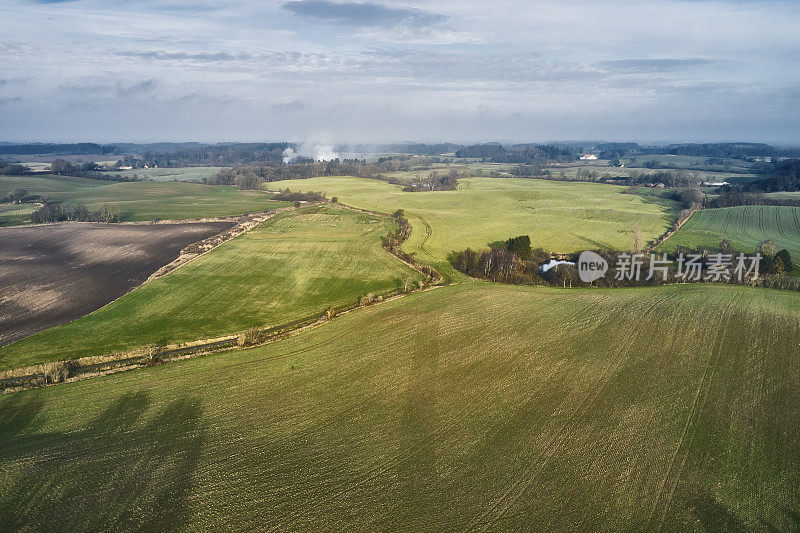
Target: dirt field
column 50, row 275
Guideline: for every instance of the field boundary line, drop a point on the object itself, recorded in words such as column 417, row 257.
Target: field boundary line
column 518, row 488
column 698, row 403
column 130, row 360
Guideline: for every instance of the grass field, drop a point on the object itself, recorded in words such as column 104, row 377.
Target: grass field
column 474, row 406
column 558, row 216
column 295, row 265
column 16, row 214
column 600, row 171
column 786, row 195
column 474, row 170
column 692, row 162
column 745, row 227
column 144, row 200
column 166, row 174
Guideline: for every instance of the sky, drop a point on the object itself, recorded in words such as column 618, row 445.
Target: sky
column 432, row 70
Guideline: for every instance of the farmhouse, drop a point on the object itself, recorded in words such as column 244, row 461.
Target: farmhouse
column 588, row 157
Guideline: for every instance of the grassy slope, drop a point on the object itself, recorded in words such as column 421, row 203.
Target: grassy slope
column 15, row 214
column 560, row 217
column 291, row 267
column 471, row 405
column 745, row 227
column 166, row 173
column 144, row 200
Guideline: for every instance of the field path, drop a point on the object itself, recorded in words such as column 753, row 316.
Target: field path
column 503, row 504
column 684, row 447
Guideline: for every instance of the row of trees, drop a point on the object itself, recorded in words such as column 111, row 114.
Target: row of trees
column 251, row 176
column 517, row 263
column 80, row 213
column 295, row 196
column 12, row 169
column 524, row 154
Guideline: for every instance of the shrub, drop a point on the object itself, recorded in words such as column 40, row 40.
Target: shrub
column 250, row 337
column 58, row 371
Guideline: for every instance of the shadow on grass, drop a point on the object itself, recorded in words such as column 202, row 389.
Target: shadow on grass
column 119, row 472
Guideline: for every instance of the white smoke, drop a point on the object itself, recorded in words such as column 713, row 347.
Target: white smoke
column 325, row 152
column 289, row 155
column 317, row 152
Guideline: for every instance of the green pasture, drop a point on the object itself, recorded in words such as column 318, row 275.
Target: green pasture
column 144, row 200
column 469, row 407
column 16, row 214
column 558, row 216
column 293, row 266
column 165, row 173
column 745, row 227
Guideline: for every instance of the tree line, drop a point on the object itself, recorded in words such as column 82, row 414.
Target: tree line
column 253, row 175
column 515, row 262
column 49, row 213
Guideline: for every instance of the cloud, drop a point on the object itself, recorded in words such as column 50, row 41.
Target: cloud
column 159, row 55
column 643, row 66
column 362, row 14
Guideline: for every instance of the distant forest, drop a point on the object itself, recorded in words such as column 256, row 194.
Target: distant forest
column 226, row 154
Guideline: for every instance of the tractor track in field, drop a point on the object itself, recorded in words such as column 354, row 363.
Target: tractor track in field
column 516, row 491
column 410, row 454
column 778, row 224
column 428, row 233
column 687, row 436
column 131, row 360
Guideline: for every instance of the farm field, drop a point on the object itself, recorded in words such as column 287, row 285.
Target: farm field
column 558, row 216
column 295, row 265
column 744, row 226
column 794, row 195
column 474, row 170
column 692, row 162
column 52, row 274
column 166, row 173
column 15, row 214
column 598, row 171
column 472, row 406
column 144, row 200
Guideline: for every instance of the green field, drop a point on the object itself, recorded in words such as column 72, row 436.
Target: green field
column 474, row 406
column 473, row 169
column 16, row 214
column 692, row 162
column 144, row 200
column 295, row 265
column 786, row 195
column 166, row 174
column 600, row 171
column 745, row 227
column 558, row 216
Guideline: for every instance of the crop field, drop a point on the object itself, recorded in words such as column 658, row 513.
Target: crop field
column 144, row 200
column 294, row 265
column 16, row 214
column 474, row 406
column 166, row 173
column 692, row 162
column 794, row 195
column 52, row 274
column 745, row 227
column 599, row 171
column 474, row 170
column 558, row 216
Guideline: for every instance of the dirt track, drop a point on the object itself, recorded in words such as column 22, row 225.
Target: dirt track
column 52, row 274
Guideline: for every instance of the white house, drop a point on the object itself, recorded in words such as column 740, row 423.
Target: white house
column 588, row 157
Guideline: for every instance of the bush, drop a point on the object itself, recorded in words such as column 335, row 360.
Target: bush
column 251, row 336
column 58, row 371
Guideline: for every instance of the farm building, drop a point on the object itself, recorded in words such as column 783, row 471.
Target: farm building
column 588, row 157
